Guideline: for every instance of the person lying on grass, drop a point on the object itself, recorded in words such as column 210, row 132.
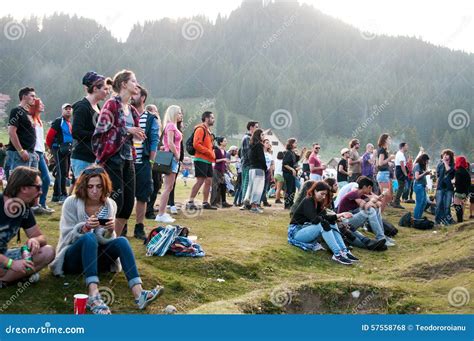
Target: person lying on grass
column 88, row 243
column 310, row 220
column 365, row 207
column 21, row 193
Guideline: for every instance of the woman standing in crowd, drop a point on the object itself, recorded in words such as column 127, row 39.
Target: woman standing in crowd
column 462, row 182
column 88, row 243
column 267, row 146
column 444, row 188
column 117, row 125
column 290, row 171
column 171, row 202
column 383, row 167
column 172, row 138
column 305, row 168
column 420, row 170
column 278, row 175
column 342, row 172
column 35, row 112
column 311, row 221
column 257, row 171
column 85, row 114
column 219, row 188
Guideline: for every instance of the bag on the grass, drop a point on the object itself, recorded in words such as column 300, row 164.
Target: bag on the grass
column 423, row 224
column 389, row 229
column 406, row 220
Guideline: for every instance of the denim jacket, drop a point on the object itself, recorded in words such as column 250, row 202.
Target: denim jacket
column 444, row 178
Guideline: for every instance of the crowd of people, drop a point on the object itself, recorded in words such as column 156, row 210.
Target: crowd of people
column 111, row 156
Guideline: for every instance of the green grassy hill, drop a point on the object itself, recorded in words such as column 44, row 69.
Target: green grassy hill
column 250, row 268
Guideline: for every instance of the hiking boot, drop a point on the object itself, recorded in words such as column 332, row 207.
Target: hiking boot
column 124, row 231
column 191, row 206
column 341, row 259
column 398, row 206
column 150, row 215
column 139, row 232
column 208, row 206
column 376, row 245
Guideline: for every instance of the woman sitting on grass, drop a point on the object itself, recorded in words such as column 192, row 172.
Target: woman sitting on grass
column 88, row 243
column 309, row 221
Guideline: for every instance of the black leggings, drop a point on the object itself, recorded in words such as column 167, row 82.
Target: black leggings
column 290, row 184
column 157, row 182
column 123, row 184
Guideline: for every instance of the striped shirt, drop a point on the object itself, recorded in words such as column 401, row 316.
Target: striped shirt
column 139, row 144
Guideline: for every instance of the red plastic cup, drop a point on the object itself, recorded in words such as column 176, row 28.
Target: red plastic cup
column 80, row 302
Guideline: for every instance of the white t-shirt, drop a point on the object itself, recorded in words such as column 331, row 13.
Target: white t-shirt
column 278, row 167
column 39, row 146
column 399, row 157
column 268, row 160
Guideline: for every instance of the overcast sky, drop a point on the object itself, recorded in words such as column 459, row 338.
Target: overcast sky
column 446, row 23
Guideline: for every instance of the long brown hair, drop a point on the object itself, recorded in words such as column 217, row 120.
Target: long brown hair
column 256, row 137
column 383, row 139
column 80, row 189
column 316, row 187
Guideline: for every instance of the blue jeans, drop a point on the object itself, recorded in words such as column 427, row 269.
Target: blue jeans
column 78, row 166
column 333, row 239
column 43, row 168
column 88, row 256
column 443, row 206
column 373, row 217
column 16, row 160
column 421, row 200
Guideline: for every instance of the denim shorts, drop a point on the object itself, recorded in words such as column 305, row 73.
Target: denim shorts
column 14, row 254
column 383, row 177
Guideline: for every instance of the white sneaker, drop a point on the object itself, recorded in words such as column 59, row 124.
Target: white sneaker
column 164, row 218
column 389, row 241
column 173, row 210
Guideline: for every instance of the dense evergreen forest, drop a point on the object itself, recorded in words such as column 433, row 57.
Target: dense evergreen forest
column 328, row 77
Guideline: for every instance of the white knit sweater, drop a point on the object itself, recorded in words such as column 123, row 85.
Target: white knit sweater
column 73, row 218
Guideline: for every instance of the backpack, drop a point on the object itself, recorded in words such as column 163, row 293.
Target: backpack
column 423, row 224
column 190, row 141
column 406, row 220
column 388, row 228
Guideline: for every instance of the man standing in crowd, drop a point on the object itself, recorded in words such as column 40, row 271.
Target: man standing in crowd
column 245, row 160
column 86, row 113
column 146, row 154
column 21, row 149
column 401, row 173
column 156, row 176
column 354, row 161
column 22, row 192
column 59, row 141
column 203, row 143
column 316, row 167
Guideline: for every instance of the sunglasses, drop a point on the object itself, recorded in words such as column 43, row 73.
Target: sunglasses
column 90, row 171
column 38, row 187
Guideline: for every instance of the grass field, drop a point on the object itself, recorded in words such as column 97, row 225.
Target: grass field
column 250, row 268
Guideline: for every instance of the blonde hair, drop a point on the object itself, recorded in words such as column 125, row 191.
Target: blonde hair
column 171, row 114
column 119, row 78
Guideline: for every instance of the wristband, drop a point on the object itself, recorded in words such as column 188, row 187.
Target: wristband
column 152, row 161
column 9, row 264
column 21, row 151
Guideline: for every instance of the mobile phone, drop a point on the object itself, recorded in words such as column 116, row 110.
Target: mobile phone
column 103, row 221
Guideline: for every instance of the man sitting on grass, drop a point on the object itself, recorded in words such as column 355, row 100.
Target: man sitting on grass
column 365, row 207
column 22, row 192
